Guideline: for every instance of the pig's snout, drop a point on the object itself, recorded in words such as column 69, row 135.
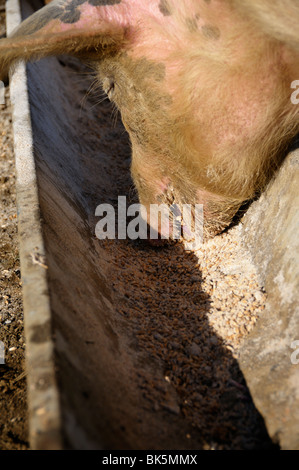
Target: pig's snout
column 167, row 216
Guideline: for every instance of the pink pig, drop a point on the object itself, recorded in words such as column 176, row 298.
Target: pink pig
column 203, row 86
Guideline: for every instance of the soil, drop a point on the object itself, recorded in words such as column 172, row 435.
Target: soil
column 13, row 407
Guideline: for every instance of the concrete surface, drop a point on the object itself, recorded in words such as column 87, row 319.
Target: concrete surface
column 268, row 359
column 44, row 407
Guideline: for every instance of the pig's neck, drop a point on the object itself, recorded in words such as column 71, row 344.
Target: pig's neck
column 229, row 76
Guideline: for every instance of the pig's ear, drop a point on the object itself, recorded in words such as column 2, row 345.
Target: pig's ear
column 83, row 28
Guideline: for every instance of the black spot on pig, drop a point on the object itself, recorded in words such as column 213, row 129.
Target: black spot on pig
column 164, row 8
column 71, row 12
column 191, row 25
column 211, row 32
column 68, row 13
column 95, row 3
column 103, row 2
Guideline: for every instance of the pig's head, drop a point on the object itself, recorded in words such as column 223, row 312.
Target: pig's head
column 206, row 125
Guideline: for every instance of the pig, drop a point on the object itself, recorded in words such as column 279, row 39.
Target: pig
column 203, row 87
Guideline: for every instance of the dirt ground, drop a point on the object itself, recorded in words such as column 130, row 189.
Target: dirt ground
column 13, row 407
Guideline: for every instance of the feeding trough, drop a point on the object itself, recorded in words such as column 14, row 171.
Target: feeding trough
column 130, row 347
